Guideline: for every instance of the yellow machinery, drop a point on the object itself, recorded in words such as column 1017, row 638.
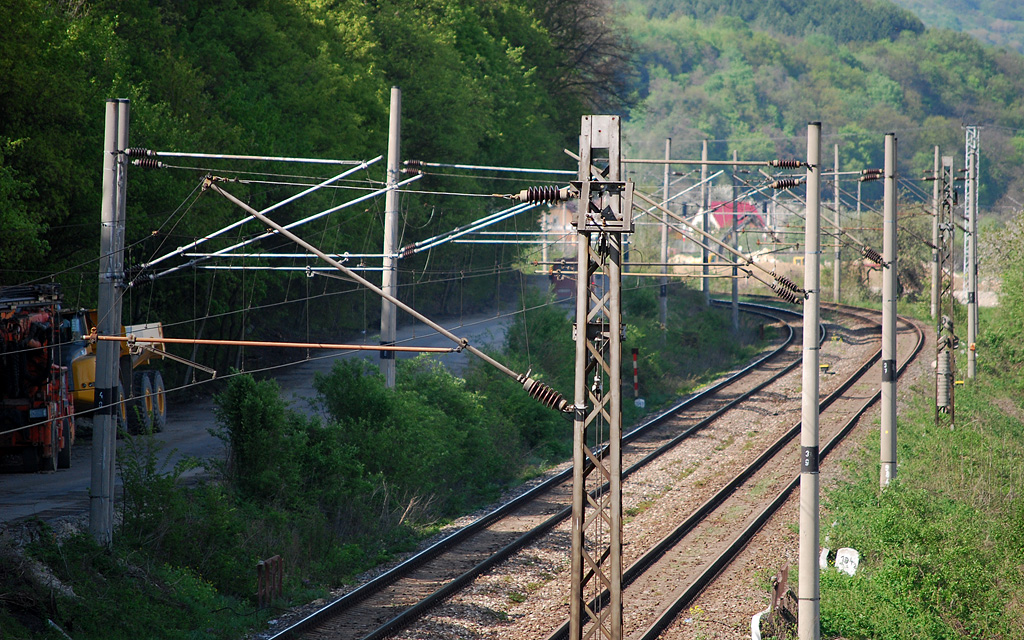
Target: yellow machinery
column 142, row 395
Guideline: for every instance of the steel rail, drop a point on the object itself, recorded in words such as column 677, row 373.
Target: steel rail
column 385, row 579
column 648, row 559
column 743, row 538
column 408, row 616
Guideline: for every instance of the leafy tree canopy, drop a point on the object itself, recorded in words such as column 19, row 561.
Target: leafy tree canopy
column 754, row 89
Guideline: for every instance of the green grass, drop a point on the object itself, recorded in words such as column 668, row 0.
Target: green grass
column 941, row 547
column 116, row 598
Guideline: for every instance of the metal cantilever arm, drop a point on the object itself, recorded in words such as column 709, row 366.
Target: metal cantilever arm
column 745, row 262
column 538, row 390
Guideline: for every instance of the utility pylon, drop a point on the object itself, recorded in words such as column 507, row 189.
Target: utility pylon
column 938, row 191
column 946, row 342
column 736, row 246
column 663, row 290
column 971, row 254
column 837, row 256
column 705, row 223
column 603, row 216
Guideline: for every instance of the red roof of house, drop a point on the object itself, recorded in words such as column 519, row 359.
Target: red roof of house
column 722, row 213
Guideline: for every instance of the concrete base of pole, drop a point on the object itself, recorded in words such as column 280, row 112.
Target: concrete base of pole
column 807, row 617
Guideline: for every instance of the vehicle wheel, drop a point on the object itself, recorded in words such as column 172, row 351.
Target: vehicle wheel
column 159, row 403
column 140, row 409
column 121, row 410
column 64, row 457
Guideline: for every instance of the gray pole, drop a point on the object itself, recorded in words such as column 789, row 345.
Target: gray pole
column 123, row 112
column 809, row 590
column 705, row 203
column 972, row 256
column 837, row 255
column 888, row 437
column 735, row 245
column 663, row 293
column 936, row 187
column 111, row 270
column 389, row 279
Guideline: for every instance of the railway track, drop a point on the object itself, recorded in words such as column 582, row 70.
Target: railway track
column 671, row 567
column 396, row 599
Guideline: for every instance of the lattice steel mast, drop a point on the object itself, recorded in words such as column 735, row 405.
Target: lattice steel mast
column 603, row 216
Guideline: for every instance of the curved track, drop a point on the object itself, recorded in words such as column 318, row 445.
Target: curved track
column 670, row 567
column 395, row 599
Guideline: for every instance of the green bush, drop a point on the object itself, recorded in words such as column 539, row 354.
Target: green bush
column 428, row 441
column 338, row 493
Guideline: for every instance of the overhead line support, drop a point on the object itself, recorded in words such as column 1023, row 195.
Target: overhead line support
column 971, row 255
column 389, row 277
column 946, row 343
column 539, row 391
column 604, row 214
column 111, row 277
column 889, row 273
column 809, row 588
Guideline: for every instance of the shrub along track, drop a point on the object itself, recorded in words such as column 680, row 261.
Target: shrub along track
column 425, row 581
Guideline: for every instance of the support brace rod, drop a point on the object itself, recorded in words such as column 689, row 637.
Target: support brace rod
column 131, row 340
column 228, row 156
column 793, row 164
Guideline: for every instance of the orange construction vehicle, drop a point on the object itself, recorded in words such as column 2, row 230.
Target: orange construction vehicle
column 37, row 423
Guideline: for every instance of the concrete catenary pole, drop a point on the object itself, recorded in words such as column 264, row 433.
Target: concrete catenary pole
column 389, row 279
column 889, row 270
column 936, row 194
column 123, row 113
column 836, row 253
column 111, row 274
column 663, row 293
column 809, row 591
column 972, row 250
column 735, row 245
column 705, row 204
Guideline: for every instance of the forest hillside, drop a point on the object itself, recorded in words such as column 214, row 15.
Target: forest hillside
column 496, row 83
column 749, row 76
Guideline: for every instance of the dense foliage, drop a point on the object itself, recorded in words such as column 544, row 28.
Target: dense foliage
column 841, row 20
column 269, row 78
column 340, row 491
column 488, row 83
column 939, row 547
column 754, row 90
column 996, row 22
column 1004, row 254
